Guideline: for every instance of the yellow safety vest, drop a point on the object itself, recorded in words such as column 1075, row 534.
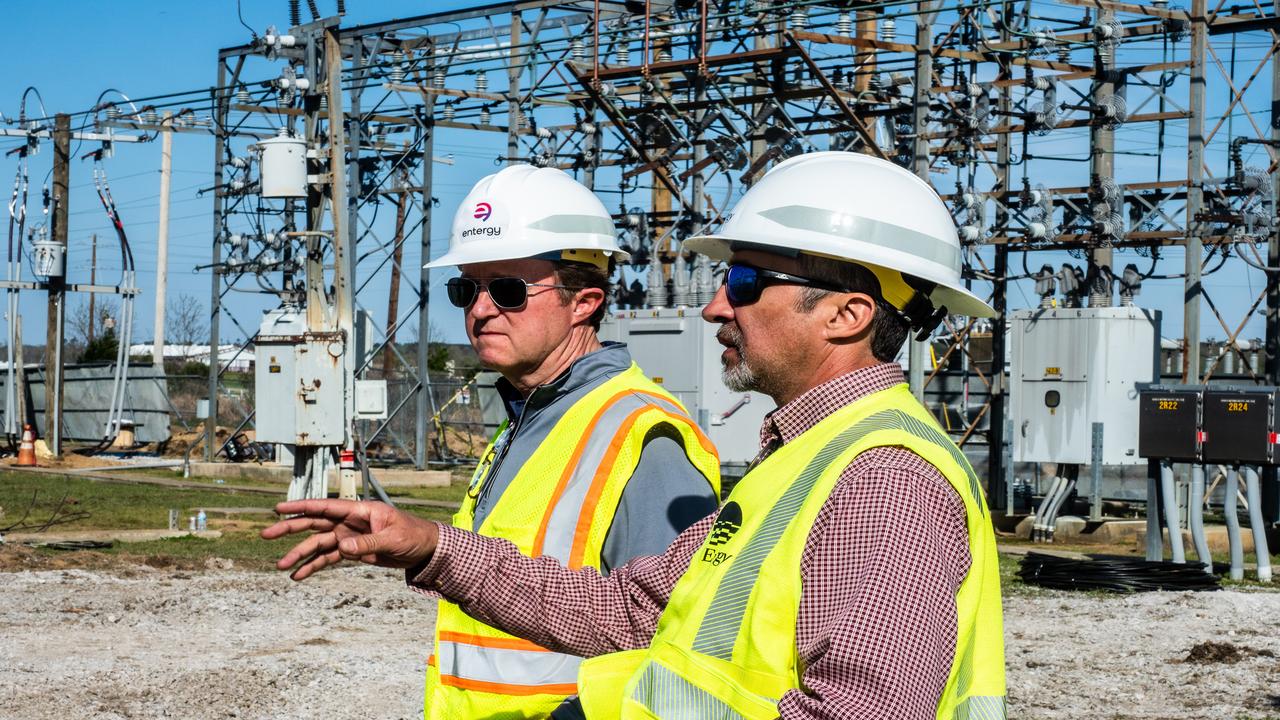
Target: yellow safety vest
column 561, row 503
column 725, row 646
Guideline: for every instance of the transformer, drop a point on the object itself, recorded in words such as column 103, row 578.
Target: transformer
column 1073, row 367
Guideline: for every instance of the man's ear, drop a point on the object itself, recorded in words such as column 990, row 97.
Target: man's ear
column 585, row 303
column 848, row 316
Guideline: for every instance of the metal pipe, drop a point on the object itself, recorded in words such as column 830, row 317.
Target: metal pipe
column 1231, row 489
column 1170, row 502
column 1155, row 542
column 1037, row 525
column 1195, row 518
column 1051, row 522
column 1253, row 494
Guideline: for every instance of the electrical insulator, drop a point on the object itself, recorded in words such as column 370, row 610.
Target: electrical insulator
column 484, row 115
column 623, row 50
column 242, row 96
column 482, row 82
column 1064, row 54
column 397, row 73
column 437, row 79
column 150, row 116
column 799, row 19
column 578, row 49
column 844, row 24
column 449, row 112
column 324, row 103
column 113, row 112
column 664, row 54
column 889, row 29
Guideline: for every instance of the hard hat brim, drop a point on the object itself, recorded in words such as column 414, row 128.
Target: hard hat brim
column 496, row 254
column 957, row 299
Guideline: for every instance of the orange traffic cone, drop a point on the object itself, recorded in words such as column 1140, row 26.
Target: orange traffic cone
column 27, row 450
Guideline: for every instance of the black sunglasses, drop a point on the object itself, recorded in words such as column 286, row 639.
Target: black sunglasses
column 744, row 283
column 508, row 293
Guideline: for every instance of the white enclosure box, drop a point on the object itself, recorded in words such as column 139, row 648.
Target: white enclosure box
column 678, row 350
column 283, row 167
column 371, row 399
column 298, row 382
column 1072, row 367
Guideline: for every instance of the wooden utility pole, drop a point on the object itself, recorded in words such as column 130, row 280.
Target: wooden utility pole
column 393, row 300
column 57, row 286
column 162, row 238
column 93, row 280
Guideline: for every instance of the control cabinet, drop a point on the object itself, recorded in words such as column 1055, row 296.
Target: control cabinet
column 1237, row 425
column 298, row 382
column 1169, row 423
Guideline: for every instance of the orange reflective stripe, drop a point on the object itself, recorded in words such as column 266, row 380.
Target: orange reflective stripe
column 592, row 498
column 502, row 643
column 589, row 503
column 509, row 688
column 572, row 465
column 431, row 660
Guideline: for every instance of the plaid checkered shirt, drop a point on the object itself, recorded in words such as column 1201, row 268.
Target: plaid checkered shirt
column 876, row 627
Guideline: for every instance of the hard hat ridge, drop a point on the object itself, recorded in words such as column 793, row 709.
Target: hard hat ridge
column 856, row 208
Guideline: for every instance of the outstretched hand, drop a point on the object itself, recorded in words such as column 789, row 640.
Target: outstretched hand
column 371, row 532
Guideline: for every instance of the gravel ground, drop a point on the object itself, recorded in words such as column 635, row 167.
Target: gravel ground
column 143, row 642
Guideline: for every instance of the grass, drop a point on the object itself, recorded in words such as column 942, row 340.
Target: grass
column 115, row 506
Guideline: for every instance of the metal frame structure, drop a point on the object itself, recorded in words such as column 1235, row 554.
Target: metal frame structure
column 1025, row 114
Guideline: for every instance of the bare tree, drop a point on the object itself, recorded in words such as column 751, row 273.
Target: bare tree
column 187, row 322
column 78, row 319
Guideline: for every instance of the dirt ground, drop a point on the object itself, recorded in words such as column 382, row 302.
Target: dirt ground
column 90, row 637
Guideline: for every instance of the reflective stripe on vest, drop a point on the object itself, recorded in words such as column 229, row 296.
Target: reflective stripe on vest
column 511, row 667
column 723, row 620
column 566, row 522
column 670, row 696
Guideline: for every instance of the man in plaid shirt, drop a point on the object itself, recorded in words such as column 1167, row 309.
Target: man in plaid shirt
column 852, row 571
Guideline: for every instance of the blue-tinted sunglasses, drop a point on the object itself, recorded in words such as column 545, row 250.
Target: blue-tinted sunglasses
column 744, row 283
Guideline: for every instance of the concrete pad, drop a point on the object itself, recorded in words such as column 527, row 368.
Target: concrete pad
column 1069, row 527
column 242, row 471
column 396, row 477
column 124, row 536
column 1118, row 531
column 387, row 477
column 1214, row 535
column 1023, row 530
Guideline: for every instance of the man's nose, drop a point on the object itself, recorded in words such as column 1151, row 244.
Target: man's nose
column 719, row 310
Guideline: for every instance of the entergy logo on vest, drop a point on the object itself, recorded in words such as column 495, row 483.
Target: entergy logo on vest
column 728, row 522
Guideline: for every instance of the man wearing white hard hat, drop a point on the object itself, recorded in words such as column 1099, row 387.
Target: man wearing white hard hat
column 595, row 465
column 852, row 572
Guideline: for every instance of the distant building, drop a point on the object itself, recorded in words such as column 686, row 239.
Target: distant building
column 230, row 356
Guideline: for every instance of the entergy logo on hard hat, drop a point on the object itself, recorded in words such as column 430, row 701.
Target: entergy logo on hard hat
column 483, row 211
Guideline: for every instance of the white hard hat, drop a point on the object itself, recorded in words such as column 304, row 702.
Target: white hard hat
column 523, row 211
column 855, row 208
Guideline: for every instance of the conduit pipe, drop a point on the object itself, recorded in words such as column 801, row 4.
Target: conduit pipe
column 1195, row 518
column 1253, row 494
column 1170, row 501
column 1233, row 524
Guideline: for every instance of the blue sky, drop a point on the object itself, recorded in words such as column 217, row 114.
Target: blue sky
column 72, row 51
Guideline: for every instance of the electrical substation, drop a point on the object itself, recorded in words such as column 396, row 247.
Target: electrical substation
column 1085, row 147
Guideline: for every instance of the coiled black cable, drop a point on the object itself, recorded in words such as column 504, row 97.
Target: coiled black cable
column 1113, row 574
